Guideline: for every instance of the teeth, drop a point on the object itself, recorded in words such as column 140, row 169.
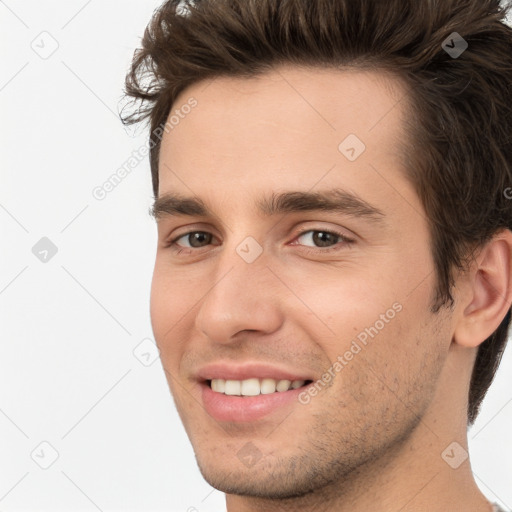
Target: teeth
column 233, row 387
column 268, row 386
column 250, row 387
column 254, row 387
column 283, row 385
column 218, row 385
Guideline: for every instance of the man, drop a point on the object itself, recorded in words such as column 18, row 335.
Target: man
column 333, row 275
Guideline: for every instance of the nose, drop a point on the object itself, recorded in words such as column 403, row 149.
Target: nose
column 243, row 297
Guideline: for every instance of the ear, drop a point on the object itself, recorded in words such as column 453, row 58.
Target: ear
column 488, row 295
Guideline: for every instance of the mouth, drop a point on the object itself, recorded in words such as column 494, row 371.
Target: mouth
column 254, row 386
column 251, row 400
column 250, row 391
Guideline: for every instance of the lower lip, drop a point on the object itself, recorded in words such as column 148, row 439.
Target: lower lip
column 246, row 408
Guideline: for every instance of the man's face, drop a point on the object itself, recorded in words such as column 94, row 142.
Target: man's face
column 258, row 294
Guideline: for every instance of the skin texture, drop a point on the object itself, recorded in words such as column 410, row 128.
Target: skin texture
column 373, row 438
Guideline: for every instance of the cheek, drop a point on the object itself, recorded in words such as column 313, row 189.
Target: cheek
column 369, row 320
column 171, row 301
column 346, row 306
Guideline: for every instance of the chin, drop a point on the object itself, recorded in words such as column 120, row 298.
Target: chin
column 252, row 485
column 276, row 480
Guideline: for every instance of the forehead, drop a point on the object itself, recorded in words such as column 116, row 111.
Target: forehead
column 283, row 128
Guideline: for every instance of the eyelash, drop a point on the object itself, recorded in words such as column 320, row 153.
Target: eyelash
column 344, row 240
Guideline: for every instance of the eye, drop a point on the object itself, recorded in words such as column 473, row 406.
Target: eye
column 320, row 238
column 193, row 239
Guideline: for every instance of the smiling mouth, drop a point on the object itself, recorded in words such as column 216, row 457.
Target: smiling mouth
column 254, row 386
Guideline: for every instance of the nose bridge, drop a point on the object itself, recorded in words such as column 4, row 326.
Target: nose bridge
column 241, row 296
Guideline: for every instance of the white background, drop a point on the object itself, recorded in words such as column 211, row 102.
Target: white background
column 69, row 327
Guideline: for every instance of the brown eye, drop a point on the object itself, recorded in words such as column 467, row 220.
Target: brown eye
column 321, row 238
column 324, row 239
column 195, row 239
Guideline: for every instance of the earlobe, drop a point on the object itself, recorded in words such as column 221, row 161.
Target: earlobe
column 489, row 293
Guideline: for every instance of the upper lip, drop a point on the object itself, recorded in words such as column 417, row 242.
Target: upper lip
column 243, row 371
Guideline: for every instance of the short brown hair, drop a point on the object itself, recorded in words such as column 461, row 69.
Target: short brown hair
column 460, row 111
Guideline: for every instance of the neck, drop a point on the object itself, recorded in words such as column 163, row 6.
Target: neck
column 414, row 476
column 428, row 471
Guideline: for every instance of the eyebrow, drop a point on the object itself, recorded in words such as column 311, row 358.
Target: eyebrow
column 333, row 200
